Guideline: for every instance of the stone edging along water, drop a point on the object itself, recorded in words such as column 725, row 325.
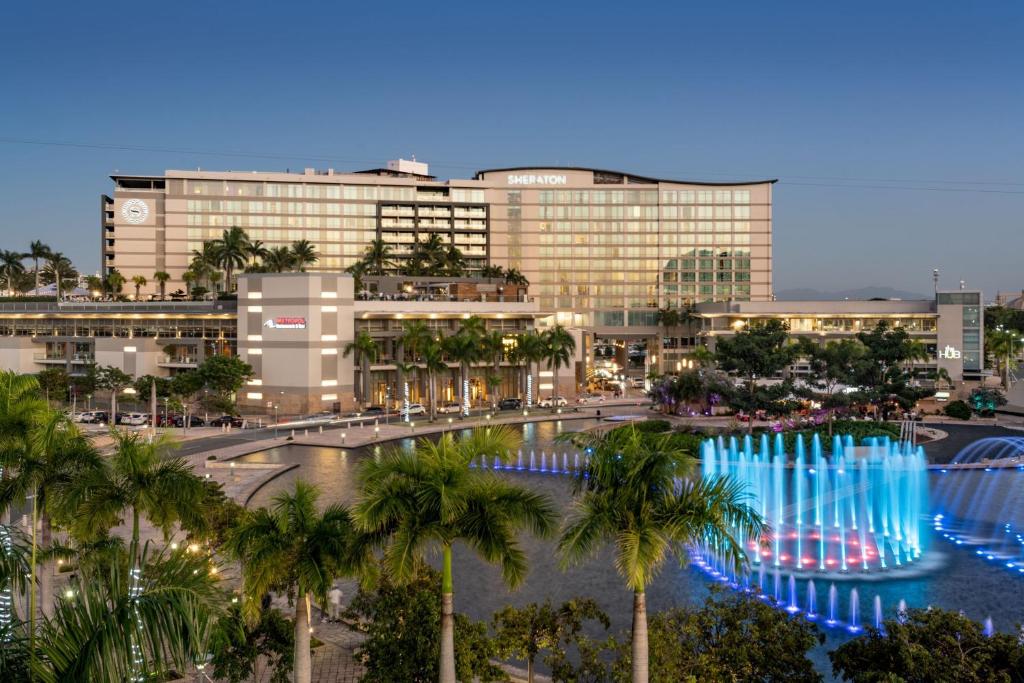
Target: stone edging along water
column 223, row 459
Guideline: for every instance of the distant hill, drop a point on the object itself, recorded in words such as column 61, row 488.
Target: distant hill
column 805, row 294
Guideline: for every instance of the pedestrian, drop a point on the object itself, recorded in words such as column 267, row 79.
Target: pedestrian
column 334, row 598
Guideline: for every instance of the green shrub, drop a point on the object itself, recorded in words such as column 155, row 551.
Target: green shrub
column 652, row 426
column 959, row 410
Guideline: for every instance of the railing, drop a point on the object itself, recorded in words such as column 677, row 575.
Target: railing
column 222, row 306
column 177, row 361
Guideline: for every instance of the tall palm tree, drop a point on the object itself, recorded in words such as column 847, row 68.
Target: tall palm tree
column 414, row 335
column 11, row 265
column 58, row 270
column 529, row 350
column 161, row 277
column 231, row 253
column 139, row 281
column 37, row 250
column 279, row 260
column 642, row 493
column 189, row 277
column 141, row 479
column 115, row 281
column 559, row 349
column 493, row 349
column 20, row 402
column 365, row 350
column 357, row 270
column 57, row 458
column 256, row 251
column 431, row 497
column 304, row 254
column 293, row 548
column 453, row 263
column 123, row 626
column 432, row 357
column 463, row 347
column 377, row 257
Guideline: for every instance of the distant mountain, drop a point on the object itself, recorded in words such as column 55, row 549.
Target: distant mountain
column 805, row 294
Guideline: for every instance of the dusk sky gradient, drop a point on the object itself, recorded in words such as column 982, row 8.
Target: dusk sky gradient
column 851, row 105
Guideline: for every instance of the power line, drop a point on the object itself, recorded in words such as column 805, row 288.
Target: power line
column 798, row 180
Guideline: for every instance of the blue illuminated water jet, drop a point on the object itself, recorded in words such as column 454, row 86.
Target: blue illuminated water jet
column 860, row 508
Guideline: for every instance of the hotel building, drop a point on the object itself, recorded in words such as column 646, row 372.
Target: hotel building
column 603, row 250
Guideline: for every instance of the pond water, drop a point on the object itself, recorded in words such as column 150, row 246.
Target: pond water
column 957, row 577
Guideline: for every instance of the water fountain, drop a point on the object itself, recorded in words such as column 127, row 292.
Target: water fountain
column 812, row 600
column 543, row 461
column 858, row 508
column 878, row 613
column 989, row 630
column 519, row 460
column 533, row 461
column 854, row 624
column 793, row 607
column 833, row 605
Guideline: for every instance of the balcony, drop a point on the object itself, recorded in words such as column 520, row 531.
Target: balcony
column 470, row 213
column 56, row 358
column 178, row 362
column 397, row 211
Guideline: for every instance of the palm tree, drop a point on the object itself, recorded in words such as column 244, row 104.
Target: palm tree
column 20, row 402
column 432, row 357
column 414, row 336
column 58, row 270
column 463, row 347
column 214, row 279
column 189, row 277
column 640, row 493
column 139, row 281
column 492, row 271
column 365, row 350
column 161, row 277
column 431, row 497
column 279, row 260
column 123, row 626
column 57, row 457
column 257, row 251
column 231, row 252
column 530, row 349
column 377, row 257
column 514, row 277
column 304, row 254
column 37, row 250
column 1001, row 345
column 115, row 281
column 493, row 348
column 11, row 265
column 140, row 479
column 295, row 549
column 559, row 349
column 453, row 263
column 357, row 270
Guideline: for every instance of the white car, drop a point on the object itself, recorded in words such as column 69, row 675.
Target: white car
column 134, row 419
column 636, row 382
column 450, row 408
column 590, row 398
column 553, row 402
column 417, row 409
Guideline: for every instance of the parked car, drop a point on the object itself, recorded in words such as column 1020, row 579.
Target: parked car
column 193, row 421
column 590, row 398
column 232, row 420
column 553, row 402
column 133, row 419
column 510, row 404
column 450, row 408
column 95, row 417
column 636, row 382
column 373, row 410
column 417, row 409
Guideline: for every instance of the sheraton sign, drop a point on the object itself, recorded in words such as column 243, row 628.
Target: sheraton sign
column 530, row 179
column 286, row 323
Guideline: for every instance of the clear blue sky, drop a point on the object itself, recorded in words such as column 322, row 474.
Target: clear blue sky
column 848, row 104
